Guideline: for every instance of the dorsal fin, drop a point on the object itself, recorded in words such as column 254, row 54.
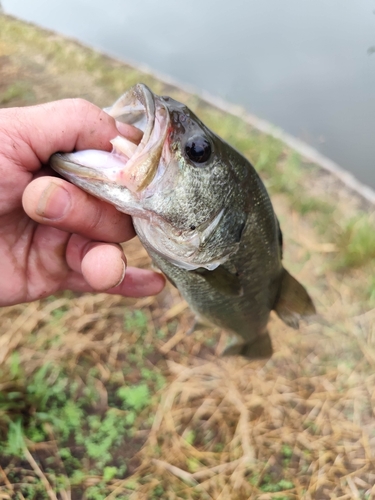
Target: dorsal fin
column 293, row 302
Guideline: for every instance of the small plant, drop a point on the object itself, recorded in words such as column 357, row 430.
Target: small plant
column 15, row 443
column 356, row 242
column 287, row 451
column 136, row 321
column 190, row 437
column 193, row 464
column 158, row 491
column 136, row 397
column 104, row 434
column 269, row 485
column 109, row 473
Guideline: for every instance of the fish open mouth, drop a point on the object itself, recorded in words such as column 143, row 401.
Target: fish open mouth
column 129, row 165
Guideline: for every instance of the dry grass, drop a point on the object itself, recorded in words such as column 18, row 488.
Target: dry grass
column 300, row 426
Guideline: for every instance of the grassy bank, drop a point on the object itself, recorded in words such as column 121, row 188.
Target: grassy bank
column 105, row 397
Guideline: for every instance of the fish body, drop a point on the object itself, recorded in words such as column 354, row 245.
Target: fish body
column 203, row 215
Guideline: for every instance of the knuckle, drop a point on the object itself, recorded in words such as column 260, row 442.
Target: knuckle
column 80, row 108
column 79, row 104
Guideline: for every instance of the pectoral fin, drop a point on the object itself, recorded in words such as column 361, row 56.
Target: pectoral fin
column 222, row 280
column 261, row 348
column 293, row 302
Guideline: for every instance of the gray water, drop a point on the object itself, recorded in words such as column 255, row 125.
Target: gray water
column 305, row 65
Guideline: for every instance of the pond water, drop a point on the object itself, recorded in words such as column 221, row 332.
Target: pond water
column 306, row 66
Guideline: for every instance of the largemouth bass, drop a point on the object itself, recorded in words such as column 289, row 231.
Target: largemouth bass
column 202, row 213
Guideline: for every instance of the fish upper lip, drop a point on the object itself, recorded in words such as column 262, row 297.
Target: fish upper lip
column 129, row 165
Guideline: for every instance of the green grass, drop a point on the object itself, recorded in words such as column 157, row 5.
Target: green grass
column 356, row 242
column 270, row 486
column 67, row 404
column 16, row 91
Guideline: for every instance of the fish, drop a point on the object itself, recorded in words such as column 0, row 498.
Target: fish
column 202, row 213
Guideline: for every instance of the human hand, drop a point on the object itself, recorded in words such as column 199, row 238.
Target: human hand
column 53, row 236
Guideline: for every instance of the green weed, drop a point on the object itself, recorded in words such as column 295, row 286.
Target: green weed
column 96, row 492
column 90, row 441
column 14, row 91
column 15, row 443
column 15, row 366
column 190, row 437
column 356, row 242
column 135, row 398
column 136, row 321
column 109, row 473
column 158, row 491
column 270, row 486
column 193, row 464
column 287, row 451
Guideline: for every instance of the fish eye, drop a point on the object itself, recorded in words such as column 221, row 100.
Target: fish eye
column 198, row 149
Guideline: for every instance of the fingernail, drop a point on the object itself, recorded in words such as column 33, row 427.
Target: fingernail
column 54, row 202
column 121, row 127
column 123, row 273
column 131, row 133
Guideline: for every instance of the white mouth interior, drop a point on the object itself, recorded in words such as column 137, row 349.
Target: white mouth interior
column 108, row 164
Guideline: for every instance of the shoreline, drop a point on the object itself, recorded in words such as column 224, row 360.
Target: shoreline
column 306, row 151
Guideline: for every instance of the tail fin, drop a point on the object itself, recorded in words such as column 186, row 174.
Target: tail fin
column 293, row 302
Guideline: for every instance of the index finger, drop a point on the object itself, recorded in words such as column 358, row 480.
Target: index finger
column 67, row 125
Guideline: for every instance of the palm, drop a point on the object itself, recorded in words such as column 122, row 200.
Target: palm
column 33, row 261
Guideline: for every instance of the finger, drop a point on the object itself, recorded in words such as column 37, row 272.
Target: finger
column 103, row 266
column 66, row 125
column 137, row 283
column 56, row 202
column 97, row 267
column 130, row 132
